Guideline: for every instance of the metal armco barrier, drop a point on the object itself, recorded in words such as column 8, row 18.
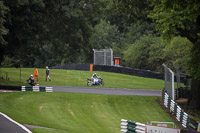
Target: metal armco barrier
column 128, row 126
column 185, row 120
column 37, row 89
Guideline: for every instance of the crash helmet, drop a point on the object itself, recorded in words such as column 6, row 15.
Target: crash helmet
column 31, row 75
column 95, row 74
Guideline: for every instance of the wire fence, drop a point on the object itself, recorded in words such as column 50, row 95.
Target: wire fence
column 103, row 57
column 169, row 81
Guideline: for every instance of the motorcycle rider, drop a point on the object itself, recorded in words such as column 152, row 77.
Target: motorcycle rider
column 31, row 80
column 95, row 78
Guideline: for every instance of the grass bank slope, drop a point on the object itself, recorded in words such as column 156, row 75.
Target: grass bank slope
column 79, row 78
column 79, row 113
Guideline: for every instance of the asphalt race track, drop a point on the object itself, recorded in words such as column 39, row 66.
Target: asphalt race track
column 108, row 91
column 7, row 125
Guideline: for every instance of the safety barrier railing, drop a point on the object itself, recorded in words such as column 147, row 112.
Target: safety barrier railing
column 37, row 89
column 181, row 116
column 128, row 126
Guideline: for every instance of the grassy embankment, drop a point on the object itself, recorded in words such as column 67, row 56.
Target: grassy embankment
column 74, row 113
column 79, row 113
column 79, row 78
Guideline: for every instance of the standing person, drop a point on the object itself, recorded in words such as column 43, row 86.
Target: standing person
column 47, row 73
column 36, row 73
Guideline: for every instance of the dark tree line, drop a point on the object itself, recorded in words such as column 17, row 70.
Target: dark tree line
column 48, row 32
column 144, row 33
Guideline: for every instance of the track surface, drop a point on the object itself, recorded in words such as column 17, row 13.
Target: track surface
column 8, row 126
column 108, row 91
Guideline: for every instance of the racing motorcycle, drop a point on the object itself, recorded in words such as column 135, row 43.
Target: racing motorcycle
column 94, row 82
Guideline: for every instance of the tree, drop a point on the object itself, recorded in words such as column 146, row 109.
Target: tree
column 177, row 53
column 142, row 54
column 107, row 36
column 3, row 30
column 123, row 13
column 139, row 29
column 180, row 18
column 48, row 32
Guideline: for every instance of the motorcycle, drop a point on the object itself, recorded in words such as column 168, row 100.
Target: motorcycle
column 97, row 81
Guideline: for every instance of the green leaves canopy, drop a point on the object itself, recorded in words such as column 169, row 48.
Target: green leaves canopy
column 180, row 17
column 48, row 31
column 177, row 17
column 3, row 30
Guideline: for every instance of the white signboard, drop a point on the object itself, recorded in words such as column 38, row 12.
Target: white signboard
column 157, row 129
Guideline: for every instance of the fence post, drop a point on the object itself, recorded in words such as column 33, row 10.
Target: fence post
column 163, row 94
column 169, row 102
column 178, row 80
column 175, row 109
column 181, row 116
column 188, row 121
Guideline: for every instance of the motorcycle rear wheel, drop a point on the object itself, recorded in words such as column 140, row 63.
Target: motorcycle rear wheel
column 89, row 83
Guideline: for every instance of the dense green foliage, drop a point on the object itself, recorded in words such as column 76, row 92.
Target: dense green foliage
column 62, row 32
column 47, row 32
column 180, row 18
column 79, row 78
column 144, row 53
column 149, row 52
column 3, row 30
column 79, row 113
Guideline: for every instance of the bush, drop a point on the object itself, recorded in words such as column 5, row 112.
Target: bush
column 10, row 62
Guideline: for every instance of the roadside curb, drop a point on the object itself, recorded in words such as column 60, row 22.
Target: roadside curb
column 13, row 121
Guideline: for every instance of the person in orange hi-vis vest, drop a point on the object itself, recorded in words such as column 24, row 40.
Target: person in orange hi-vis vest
column 36, row 73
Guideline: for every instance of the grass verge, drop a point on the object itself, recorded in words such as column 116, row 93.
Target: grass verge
column 79, row 78
column 75, row 112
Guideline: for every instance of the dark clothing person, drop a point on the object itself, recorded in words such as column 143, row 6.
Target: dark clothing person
column 47, row 74
column 31, row 81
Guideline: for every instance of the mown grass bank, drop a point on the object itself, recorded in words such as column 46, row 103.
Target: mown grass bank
column 79, row 78
column 79, row 113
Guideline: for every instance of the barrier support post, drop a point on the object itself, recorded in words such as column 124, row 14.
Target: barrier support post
column 91, row 67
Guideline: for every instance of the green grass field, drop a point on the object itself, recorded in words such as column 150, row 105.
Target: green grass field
column 79, row 113
column 79, row 78
column 75, row 112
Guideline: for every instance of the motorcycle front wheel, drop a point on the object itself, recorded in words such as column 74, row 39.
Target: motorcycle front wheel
column 102, row 83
